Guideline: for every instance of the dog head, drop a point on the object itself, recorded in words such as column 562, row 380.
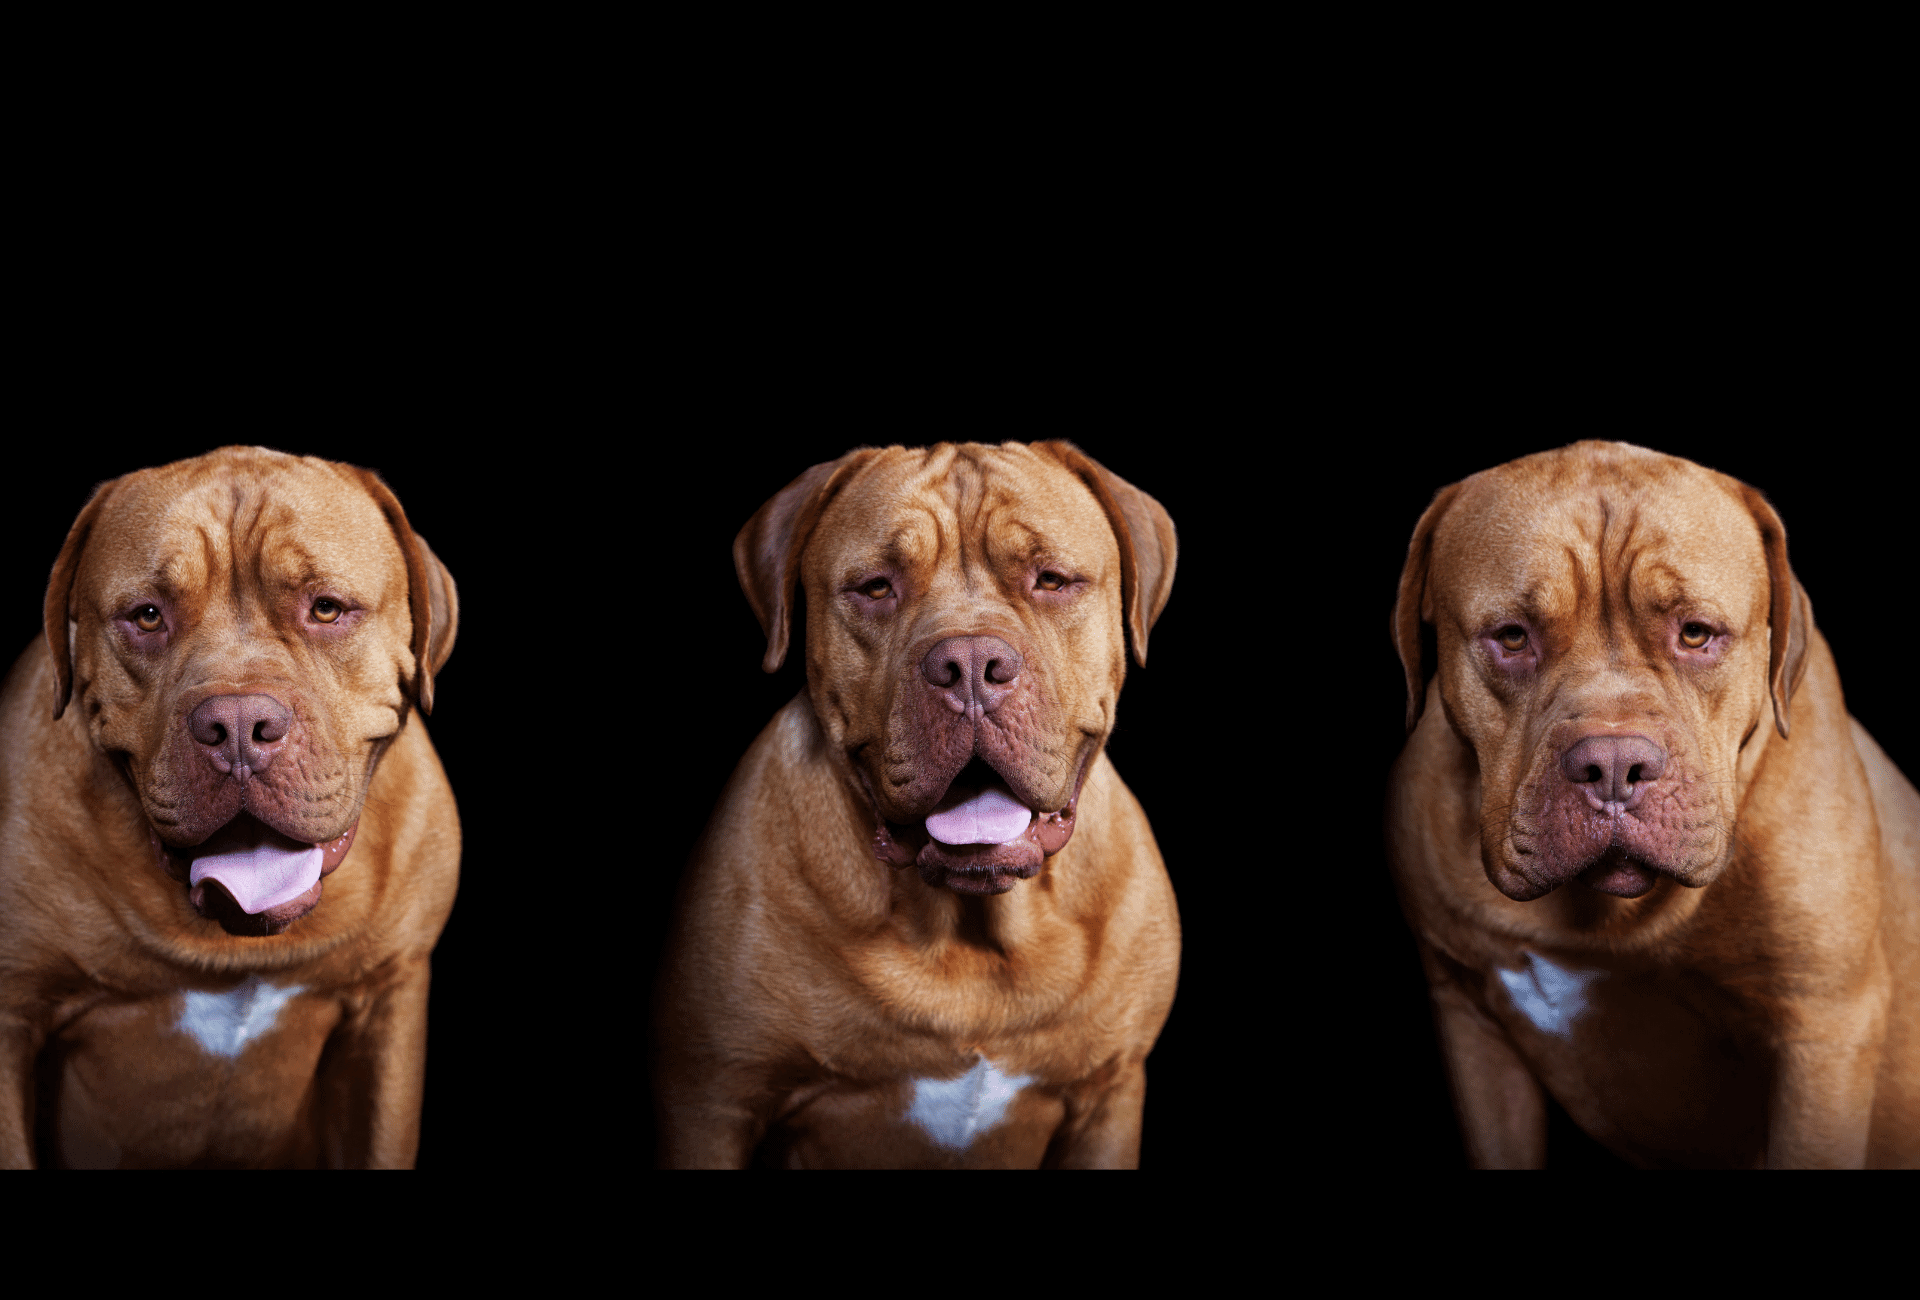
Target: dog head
column 243, row 634
column 968, row 612
column 1612, row 628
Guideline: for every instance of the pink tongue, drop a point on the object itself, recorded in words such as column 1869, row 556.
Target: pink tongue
column 263, row 876
column 991, row 817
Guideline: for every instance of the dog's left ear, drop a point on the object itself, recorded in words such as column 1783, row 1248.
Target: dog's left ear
column 1148, row 547
column 1790, row 615
column 59, row 603
column 432, row 599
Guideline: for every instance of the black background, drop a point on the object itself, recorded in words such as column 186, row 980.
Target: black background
column 606, row 679
column 1846, row 499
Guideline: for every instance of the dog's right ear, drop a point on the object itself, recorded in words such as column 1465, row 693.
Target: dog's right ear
column 1409, row 610
column 59, row 606
column 766, row 554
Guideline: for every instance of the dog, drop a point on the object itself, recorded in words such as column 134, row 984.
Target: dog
column 1652, row 866
column 228, row 844
column 928, row 926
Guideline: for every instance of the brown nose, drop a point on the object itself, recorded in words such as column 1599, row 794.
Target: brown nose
column 972, row 673
column 1614, row 769
column 242, row 733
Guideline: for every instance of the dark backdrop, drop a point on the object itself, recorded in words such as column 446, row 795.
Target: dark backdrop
column 606, row 679
column 1842, row 481
column 1170, row 742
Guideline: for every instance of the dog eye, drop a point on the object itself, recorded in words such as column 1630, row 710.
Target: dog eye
column 1695, row 635
column 325, row 611
column 878, row 589
column 1513, row 639
column 147, row 618
column 1050, row 581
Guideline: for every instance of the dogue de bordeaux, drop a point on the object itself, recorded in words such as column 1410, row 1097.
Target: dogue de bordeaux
column 928, row 926
column 226, row 845
column 1652, row 866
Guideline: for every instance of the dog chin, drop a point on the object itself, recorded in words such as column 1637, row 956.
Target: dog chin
column 979, row 868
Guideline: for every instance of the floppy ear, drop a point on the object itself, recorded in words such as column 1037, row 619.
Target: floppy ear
column 1148, row 547
column 1409, row 610
column 766, row 553
column 432, row 599
column 1790, row 613
column 443, row 603
column 59, row 604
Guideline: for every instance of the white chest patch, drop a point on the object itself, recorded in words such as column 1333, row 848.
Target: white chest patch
column 1551, row 996
column 224, row 1023
column 952, row 1111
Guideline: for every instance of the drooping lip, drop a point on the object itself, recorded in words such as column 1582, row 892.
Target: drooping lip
column 1562, row 836
column 211, row 899
column 1620, row 874
column 1617, row 871
column 975, row 868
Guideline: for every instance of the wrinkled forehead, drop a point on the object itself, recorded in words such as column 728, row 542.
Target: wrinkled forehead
column 1517, row 543
column 291, row 521
column 921, row 508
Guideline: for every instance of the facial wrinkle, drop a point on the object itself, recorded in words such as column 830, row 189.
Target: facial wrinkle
column 1577, row 573
column 237, row 532
column 1620, row 571
column 1600, row 576
column 209, row 549
column 940, row 539
column 942, row 535
column 968, row 497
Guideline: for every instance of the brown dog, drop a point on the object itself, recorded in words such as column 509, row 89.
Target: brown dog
column 217, row 718
column 928, row 925
column 1651, row 863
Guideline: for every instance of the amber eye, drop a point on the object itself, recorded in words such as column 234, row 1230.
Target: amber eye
column 878, row 589
column 1050, row 581
column 1513, row 639
column 1695, row 635
column 147, row 618
column 325, row 611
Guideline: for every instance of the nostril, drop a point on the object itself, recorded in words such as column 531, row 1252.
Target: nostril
column 219, row 735
column 1593, row 772
column 1633, row 775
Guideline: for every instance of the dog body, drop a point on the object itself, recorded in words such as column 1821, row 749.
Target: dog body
column 215, row 732
column 1651, row 864
column 928, row 924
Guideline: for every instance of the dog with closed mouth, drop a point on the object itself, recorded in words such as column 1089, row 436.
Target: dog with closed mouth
column 229, row 846
column 1653, row 867
column 928, row 925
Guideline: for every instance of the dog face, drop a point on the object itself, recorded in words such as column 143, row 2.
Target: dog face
column 1609, row 625
column 967, row 614
column 243, row 634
